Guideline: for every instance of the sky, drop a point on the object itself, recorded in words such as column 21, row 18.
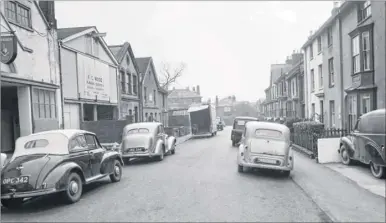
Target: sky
column 227, row 46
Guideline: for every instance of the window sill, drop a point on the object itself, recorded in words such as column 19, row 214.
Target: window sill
column 331, row 85
column 364, row 20
column 20, row 26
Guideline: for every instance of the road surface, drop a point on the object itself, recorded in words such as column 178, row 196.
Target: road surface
column 199, row 183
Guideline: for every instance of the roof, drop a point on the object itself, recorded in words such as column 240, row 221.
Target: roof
column 66, row 32
column 268, row 125
column 143, row 63
column 295, row 69
column 194, row 108
column 183, row 93
column 66, row 132
column 146, row 125
column 327, row 23
column 119, row 52
column 246, row 117
column 277, row 70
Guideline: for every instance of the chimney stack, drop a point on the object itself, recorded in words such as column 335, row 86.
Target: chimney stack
column 216, row 101
column 335, row 9
column 198, row 90
column 194, row 89
column 48, row 9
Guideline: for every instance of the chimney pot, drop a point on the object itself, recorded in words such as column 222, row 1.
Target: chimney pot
column 198, row 90
column 194, row 89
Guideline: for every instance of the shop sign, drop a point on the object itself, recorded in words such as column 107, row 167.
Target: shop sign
column 8, row 49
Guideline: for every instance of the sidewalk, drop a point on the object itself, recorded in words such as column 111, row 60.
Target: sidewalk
column 339, row 197
column 183, row 139
column 360, row 175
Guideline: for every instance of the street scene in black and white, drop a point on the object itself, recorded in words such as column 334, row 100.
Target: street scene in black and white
column 193, row 111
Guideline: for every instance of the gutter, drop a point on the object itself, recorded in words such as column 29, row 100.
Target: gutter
column 61, row 80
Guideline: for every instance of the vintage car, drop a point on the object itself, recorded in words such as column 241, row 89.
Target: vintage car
column 146, row 140
column 56, row 161
column 238, row 128
column 366, row 143
column 3, row 159
column 266, row 145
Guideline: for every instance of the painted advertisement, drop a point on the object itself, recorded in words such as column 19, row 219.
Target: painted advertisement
column 94, row 79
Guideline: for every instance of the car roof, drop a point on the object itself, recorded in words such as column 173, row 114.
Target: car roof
column 66, row 132
column 267, row 125
column 146, row 125
column 246, row 117
column 378, row 112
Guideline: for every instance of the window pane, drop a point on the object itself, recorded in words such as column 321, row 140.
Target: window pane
column 52, row 98
column 355, row 46
column 90, row 141
column 53, row 111
column 36, row 110
column 41, row 111
column 41, row 96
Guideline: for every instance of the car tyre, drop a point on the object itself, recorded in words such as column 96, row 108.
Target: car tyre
column 74, row 189
column 344, row 156
column 286, row 173
column 377, row 171
column 117, row 172
column 173, row 151
column 12, row 203
column 240, row 168
column 161, row 157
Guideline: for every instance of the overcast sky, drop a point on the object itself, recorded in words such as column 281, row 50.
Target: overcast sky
column 227, row 46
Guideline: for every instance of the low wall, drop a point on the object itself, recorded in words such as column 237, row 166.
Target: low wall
column 328, row 150
column 107, row 131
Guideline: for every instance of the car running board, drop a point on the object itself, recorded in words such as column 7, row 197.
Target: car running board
column 96, row 178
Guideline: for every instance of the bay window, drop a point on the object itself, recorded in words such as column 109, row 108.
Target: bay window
column 356, row 58
column 366, row 50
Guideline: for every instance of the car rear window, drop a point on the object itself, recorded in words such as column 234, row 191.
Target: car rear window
column 268, row 133
column 134, row 131
column 38, row 143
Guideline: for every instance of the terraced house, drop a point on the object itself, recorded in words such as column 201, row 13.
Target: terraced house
column 129, row 82
column 30, row 81
column 153, row 95
column 347, row 76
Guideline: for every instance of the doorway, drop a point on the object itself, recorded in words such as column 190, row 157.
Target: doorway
column 10, row 125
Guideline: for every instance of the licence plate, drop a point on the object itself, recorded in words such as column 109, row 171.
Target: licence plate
column 269, row 161
column 16, row 180
column 135, row 150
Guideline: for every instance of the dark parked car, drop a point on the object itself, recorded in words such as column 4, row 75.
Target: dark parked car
column 367, row 143
column 238, row 128
column 56, row 161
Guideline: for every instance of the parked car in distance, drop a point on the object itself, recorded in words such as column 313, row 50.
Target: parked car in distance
column 266, row 145
column 146, row 139
column 366, row 143
column 238, row 128
column 56, row 161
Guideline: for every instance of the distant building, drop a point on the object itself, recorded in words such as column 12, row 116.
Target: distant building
column 225, row 108
column 183, row 98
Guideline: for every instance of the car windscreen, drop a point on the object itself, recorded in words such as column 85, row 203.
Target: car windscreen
column 136, row 131
column 269, row 133
column 240, row 124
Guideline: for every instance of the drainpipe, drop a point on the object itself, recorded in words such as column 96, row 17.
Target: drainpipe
column 305, row 84
column 342, row 111
column 61, row 80
column 140, row 81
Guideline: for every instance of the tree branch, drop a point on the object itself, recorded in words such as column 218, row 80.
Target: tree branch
column 170, row 77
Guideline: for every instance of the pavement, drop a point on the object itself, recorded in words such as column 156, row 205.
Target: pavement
column 200, row 183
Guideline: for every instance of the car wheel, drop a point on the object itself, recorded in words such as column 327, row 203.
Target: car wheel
column 344, row 156
column 12, row 203
column 117, row 173
column 173, row 149
column 161, row 157
column 286, row 173
column 377, row 171
column 240, row 168
column 74, row 189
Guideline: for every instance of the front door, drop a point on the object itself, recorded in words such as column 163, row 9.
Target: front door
column 96, row 154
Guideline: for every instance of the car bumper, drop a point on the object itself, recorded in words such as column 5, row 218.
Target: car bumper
column 29, row 193
column 244, row 163
column 135, row 155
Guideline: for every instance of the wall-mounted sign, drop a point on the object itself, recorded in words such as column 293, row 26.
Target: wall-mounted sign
column 95, row 77
column 8, row 48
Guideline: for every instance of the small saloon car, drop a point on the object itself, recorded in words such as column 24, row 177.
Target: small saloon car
column 366, row 143
column 238, row 128
column 146, row 140
column 266, row 145
column 56, row 161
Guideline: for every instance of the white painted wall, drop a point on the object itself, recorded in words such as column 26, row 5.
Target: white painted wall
column 71, row 116
column 328, row 150
column 25, row 110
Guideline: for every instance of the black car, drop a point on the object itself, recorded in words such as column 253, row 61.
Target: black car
column 366, row 143
column 238, row 128
column 59, row 161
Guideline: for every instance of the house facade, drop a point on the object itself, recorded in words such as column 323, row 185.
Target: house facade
column 154, row 104
column 183, row 98
column 89, row 76
column 129, row 82
column 30, row 81
column 295, row 97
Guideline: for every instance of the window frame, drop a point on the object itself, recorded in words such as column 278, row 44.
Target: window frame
column 311, row 52
column 356, row 55
column 332, row 113
column 40, row 105
column 15, row 20
column 312, row 74
column 319, row 44
column 330, row 40
column 364, row 6
column 331, row 74
column 129, row 87
column 320, row 73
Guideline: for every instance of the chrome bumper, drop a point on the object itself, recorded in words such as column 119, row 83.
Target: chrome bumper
column 245, row 163
column 134, row 155
column 29, row 193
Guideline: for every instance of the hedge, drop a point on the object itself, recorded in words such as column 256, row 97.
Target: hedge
column 306, row 134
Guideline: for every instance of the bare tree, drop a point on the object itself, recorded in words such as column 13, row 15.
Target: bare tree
column 169, row 75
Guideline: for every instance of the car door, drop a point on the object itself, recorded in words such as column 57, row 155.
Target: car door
column 79, row 154
column 355, row 139
column 164, row 136
column 96, row 153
